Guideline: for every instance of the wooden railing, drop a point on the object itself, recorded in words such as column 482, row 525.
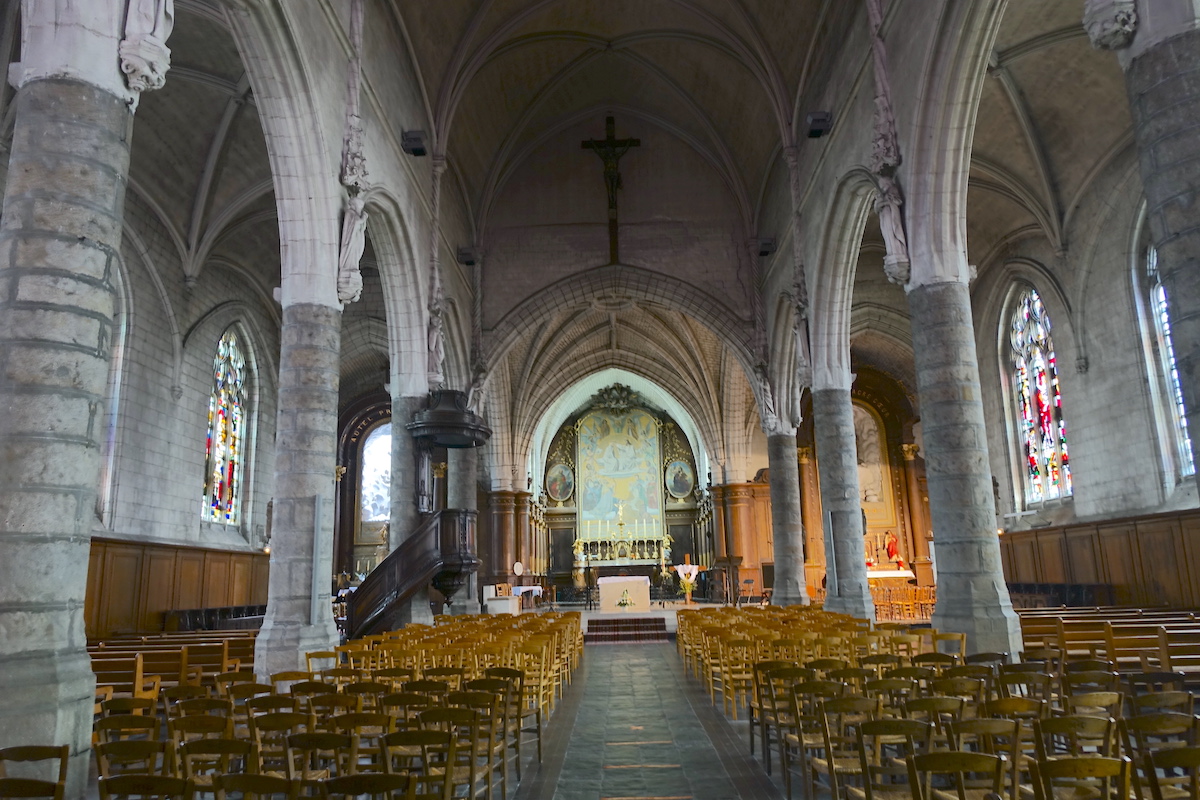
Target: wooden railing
column 441, row 551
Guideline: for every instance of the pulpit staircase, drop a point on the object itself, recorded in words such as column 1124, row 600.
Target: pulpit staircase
column 441, row 552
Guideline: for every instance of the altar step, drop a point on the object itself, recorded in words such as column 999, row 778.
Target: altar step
column 634, row 630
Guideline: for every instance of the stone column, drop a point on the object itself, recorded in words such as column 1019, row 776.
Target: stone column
column 523, row 532
column 737, row 529
column 61, row 238
column 837, row 464
column 299, row 611
column 503, row 528
column 461, row 479
column 916, row 514
column 406, row 516
column 406, row 460
column 810, row 509
column 787, row 527
column 972, row 596
column 1164, row 99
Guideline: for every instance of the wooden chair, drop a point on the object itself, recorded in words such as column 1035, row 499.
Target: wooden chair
column 777, row 705
column 841, row 717
column 35, row 758
column 1075, row 735
column 884, row 745
column 997, row 737
column 313, row 758
column 143, row 786
column 806, row 737
column 1082, row 776
column 128, row 705
column 1146, row 735
column 135, row 756
column 366, row 730
column 1174, row 773
column 969, row 776
column 465, row 725
column 938, row 711
column 758, row 700
column 375, row 785
column 270, row 733
column 254, row 787
column 203, row 759
column 121, row 727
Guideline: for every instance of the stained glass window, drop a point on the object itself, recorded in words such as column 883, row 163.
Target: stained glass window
column 226, row 433
column 1166, row 352
column 1043, row 431
column 376, row 494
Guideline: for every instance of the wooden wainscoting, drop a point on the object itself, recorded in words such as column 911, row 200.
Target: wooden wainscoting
column 1152, row 560
column 131, row 585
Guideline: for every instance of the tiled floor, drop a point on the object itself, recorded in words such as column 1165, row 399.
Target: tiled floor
column 632, row 726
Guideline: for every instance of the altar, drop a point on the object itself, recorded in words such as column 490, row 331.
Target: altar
column 613, row 589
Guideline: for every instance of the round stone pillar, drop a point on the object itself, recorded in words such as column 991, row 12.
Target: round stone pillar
column 462, row 476
column 837, row 463
column 503, row 529
column 810, row 505
column 406, row 516
column 61, row 238
column 299, row 606
column 1164, row 99
column 972, row 597
column 787, row 527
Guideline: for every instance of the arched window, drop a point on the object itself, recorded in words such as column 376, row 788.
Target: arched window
column 1165, row 350
column 375, row 493
column 227, row 420
column 1043, row 432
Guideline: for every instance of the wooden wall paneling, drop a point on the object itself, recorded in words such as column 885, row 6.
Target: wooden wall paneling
column 1163, row 573
column 95, row 584
column 189, row 576
column 120, row 582
column 158, row 576
column 258, row 594
column 1024, row 559
column 1121, row 563
column 1051, row 560
column 1083, row 562
column 1189, row 569
column 240, row 570
column 216, row 580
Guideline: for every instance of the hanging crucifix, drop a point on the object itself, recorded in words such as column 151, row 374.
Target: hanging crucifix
column 610, row 149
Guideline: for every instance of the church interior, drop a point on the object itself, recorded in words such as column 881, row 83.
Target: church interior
column 470, row 322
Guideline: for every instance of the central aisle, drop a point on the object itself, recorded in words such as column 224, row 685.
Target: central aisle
column 633, row 727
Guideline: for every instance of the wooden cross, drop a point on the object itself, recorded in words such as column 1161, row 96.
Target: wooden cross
column 610, row 149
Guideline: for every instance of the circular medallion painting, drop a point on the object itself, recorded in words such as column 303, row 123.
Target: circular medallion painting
column 560, row 482
column 679, row 479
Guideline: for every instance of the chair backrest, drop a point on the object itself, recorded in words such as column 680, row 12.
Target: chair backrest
column 134, row 756
column 138, row 785
column 1074, row 735
column 883, row 747
column 372, row 784
column 961, row 770
column 126, row 726
column 1084, row 776
column 55, row 758
column 128, row 705
column 252, row 786
column 207, row 757
column 31, row 787
column 937, row 710
column 1184, row 762
column 317, row 756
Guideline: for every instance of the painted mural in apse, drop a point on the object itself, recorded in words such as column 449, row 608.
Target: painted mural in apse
column 618, row 474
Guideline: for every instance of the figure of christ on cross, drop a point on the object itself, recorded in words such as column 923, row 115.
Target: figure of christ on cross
column 610, row 149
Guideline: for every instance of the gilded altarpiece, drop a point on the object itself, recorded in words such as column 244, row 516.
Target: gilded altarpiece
column 619, row 473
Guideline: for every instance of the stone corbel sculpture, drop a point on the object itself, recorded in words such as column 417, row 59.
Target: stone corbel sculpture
column 1110, row 24
column 354, row 235
column 891, row 222
column 145, row 57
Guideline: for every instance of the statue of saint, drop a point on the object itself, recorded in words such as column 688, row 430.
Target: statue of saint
column 354, row 242
column 891, row 223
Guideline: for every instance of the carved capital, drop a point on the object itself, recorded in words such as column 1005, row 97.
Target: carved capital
column 804, row 455
column 910, row 451
column 1110, row 24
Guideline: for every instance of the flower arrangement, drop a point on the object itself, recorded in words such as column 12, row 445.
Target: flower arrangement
column 626, row 601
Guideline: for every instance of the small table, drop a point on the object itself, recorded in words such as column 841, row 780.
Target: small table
column 613, row 588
